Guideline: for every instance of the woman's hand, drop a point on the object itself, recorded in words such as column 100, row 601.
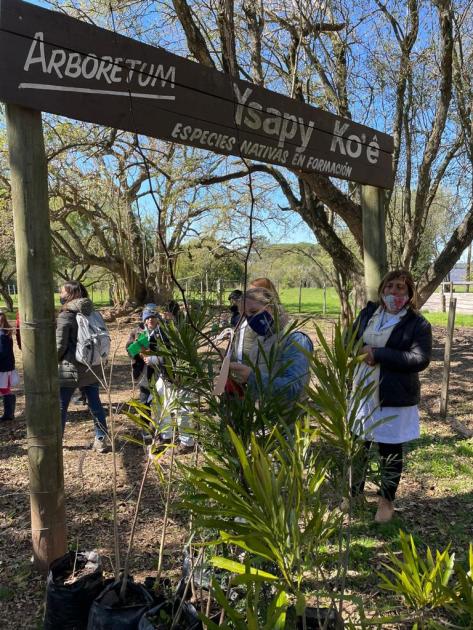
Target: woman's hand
column 369, row 356
column 241, row 372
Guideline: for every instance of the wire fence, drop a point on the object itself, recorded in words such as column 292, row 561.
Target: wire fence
column 299, row 299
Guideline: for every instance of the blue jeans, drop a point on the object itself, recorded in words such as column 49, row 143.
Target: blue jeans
column 93, row 402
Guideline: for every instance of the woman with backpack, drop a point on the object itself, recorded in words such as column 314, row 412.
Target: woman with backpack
column 8, row 375
column 72, row 374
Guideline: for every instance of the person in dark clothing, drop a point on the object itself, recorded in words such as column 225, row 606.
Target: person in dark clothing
column 17, row 329
column 72, row 374
column 173, row 311
column 397, row 345
column 8, row 375
column 147, row 363
column 235, row 297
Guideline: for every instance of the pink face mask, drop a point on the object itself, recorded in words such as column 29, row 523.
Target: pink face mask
column 395, row 302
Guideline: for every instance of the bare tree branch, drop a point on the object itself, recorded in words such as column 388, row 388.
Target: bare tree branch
column 195, row 40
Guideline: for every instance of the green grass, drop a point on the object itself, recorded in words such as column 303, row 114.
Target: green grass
column 441, row 319
column 312, row 301
column 445, row 460
column 440, row 463
column 6, row 593
column 465, row 448
column 100, row 299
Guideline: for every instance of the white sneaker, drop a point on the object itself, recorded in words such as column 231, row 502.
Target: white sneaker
column 100, row 445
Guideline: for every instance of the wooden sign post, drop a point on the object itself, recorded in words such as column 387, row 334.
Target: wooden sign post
column 374, row 241
column 37, row 324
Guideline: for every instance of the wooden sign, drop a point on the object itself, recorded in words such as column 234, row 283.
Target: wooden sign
column 55, row 63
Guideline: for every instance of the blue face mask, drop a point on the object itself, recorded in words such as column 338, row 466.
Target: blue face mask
column 262, row 323
column 62, row 300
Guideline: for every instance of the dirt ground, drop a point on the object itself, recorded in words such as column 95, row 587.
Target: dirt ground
column 88, row 484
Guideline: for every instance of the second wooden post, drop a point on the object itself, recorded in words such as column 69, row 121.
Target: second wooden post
column 374, row 240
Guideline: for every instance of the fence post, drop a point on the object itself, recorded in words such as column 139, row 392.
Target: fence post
column 300, row 294
column 446, row 362
column 324, row 307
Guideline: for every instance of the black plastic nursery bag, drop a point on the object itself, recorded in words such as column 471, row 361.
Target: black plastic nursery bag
column 74, row 581
column 108, row 612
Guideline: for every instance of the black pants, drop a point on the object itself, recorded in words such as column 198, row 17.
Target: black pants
column 391, row 456
column 144, row 394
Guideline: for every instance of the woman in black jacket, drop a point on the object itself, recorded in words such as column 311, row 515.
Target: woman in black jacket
column 8, row 375
column 75, row 299
column 397, row 345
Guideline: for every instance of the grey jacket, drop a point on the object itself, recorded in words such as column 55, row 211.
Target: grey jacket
column 70, row 372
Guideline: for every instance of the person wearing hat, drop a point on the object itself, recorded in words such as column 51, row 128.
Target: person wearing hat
column 145, row 363
column 149, row 365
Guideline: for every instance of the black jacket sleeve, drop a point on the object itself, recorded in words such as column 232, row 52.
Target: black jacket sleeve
column 414, row 359
column 363, row 318
column 7, row 358
column 65, row 329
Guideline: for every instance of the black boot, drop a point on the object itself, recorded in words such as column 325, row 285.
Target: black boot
column 9, row 403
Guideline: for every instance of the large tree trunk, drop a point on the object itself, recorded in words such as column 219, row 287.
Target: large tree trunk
column 136, row 286
column 163, row 286
column 349, row 270
column 342, row 286
column 434, row 275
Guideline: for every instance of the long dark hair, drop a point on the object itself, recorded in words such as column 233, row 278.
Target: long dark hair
column 74, row 290
column 174, row 308
column 4, row 323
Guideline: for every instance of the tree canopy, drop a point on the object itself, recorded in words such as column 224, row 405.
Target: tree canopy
column 401, row 67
